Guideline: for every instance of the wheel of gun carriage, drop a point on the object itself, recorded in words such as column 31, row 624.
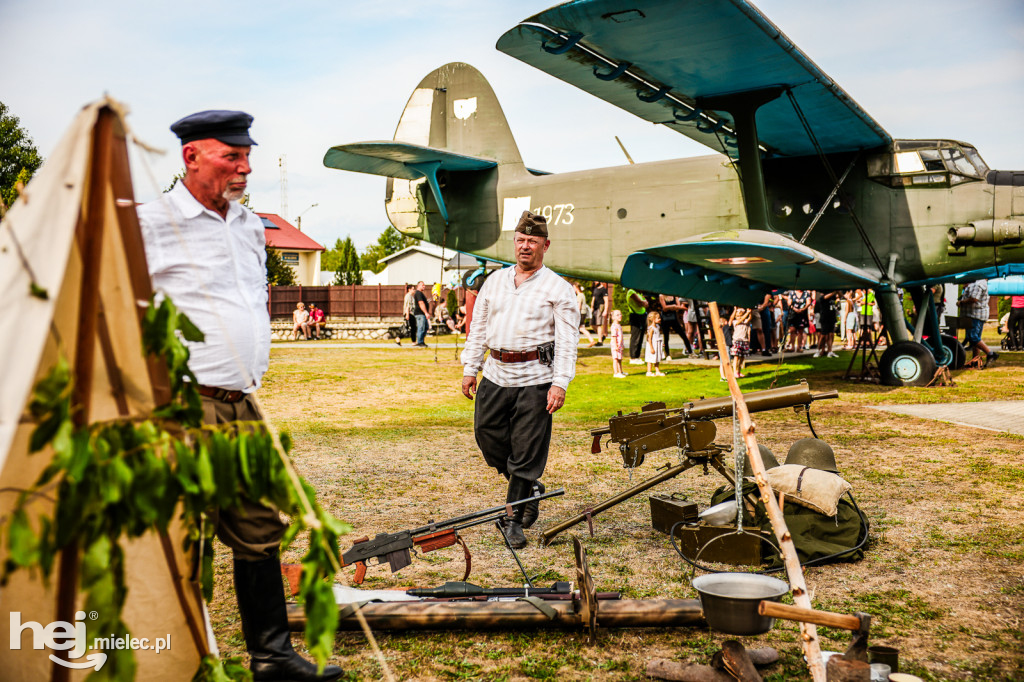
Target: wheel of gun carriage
column 907, row 363
column 954, row 355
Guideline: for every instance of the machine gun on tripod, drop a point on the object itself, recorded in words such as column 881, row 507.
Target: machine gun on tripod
column 691, row 429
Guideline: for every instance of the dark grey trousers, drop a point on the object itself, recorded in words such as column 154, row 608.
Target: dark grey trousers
column 254, row 531
column 513, row 428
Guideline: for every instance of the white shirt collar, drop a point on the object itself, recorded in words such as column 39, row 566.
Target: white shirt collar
column 190, row 207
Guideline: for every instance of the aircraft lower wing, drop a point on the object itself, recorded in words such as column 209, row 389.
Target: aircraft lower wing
column 658, row 59
column 738, row 267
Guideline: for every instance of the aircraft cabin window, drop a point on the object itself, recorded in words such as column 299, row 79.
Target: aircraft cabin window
column 909, row 162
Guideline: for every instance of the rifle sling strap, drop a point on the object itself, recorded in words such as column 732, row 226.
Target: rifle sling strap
column 469, row 557
column 588, row 514
column 541, row 606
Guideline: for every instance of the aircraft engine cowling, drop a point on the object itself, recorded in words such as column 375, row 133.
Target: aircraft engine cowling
column 987, row 232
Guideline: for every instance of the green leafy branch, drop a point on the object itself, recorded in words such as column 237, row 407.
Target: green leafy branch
column 120, row 479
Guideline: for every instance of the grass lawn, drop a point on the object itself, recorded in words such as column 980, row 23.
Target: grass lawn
column 386, row 437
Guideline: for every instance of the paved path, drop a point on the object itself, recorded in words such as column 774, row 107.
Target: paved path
column 997, row 415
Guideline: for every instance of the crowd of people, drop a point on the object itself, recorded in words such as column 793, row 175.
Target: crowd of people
column 791, row 321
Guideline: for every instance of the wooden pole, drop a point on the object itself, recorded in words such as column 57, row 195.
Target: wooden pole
column 808, row 631
column 89, row 235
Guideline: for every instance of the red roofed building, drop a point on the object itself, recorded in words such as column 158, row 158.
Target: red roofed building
column 296, row 249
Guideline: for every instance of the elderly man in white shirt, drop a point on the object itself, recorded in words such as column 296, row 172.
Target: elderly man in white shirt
column 206, row 252
column 520, row 313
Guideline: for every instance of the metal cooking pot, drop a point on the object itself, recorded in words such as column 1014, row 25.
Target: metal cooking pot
column 730, row 601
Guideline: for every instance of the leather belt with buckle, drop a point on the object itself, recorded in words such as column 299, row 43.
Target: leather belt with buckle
column 514, row 355
column 221, row 394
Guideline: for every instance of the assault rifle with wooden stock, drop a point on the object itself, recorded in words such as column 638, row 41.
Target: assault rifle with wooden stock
column 690, row 428
column 395, row 549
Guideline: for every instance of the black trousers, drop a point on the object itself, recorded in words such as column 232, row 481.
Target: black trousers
column 670, row 324
column 1015, row 327
column 513, row 428
column 637, row 330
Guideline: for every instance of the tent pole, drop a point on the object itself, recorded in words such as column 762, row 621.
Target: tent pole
column 135, row 255
column 90, row 243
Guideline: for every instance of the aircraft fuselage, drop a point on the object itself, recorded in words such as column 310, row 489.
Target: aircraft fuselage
column 598, row 217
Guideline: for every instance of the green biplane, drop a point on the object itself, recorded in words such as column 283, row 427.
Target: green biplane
column 805, row 191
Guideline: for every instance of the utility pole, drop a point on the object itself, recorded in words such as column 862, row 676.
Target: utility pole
column 298, row 219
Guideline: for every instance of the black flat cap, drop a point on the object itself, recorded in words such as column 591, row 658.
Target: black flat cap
column 230, row 127
column 533, row 224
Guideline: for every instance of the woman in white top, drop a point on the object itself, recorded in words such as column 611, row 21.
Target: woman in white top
column 300, row 316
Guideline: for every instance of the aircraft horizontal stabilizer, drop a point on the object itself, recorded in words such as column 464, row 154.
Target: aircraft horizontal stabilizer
column 405, row 161
column 399, row 159
column 738, row 267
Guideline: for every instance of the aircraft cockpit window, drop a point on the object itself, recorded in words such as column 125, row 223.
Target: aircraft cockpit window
column 958, row 163
column 976, row 159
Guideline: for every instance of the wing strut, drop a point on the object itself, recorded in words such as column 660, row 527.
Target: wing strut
column 835, row 181
column 743, row 106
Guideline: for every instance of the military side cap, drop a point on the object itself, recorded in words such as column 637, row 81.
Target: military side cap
column 532, row 224
column 230, row 127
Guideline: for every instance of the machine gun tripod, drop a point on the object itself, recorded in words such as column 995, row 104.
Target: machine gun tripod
column 691, row 429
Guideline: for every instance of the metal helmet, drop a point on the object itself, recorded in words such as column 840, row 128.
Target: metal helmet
column 767, row 459
column 814, row 453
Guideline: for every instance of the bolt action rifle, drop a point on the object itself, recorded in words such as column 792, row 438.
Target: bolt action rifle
column 395, row 549
column 691, row 429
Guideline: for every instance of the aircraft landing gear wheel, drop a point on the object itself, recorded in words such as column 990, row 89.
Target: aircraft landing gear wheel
column 473, row 280
column 907, row 363
column 954, row 356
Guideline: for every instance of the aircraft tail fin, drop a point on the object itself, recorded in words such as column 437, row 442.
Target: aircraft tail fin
column 451, row 144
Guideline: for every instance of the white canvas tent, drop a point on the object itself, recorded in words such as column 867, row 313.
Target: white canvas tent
column 74, row 233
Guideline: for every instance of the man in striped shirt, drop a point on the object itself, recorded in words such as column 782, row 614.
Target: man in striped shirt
column 519, row 312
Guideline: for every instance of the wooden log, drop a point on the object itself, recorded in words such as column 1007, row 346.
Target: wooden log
column 760, row 657
column 512, row 615
column 839, row 669
column 738, row 663
column 663, row 669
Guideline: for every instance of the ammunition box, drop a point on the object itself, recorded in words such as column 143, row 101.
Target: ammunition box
column 720, row 544
column 668, row 510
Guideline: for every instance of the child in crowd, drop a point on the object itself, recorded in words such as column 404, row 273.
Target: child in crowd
column 740, row 320
column 654, row 350
column 615, row 339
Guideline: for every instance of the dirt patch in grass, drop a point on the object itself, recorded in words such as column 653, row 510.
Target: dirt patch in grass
column 386, row 438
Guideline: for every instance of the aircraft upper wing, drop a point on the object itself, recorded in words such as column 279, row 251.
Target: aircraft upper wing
column 738, row 267
column 658, row 58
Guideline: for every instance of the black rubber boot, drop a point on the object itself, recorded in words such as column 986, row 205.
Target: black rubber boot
column 518, row 489
column 531, row 511
column 264, row 615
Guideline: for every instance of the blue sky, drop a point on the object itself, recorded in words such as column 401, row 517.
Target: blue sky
column 315, row 74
